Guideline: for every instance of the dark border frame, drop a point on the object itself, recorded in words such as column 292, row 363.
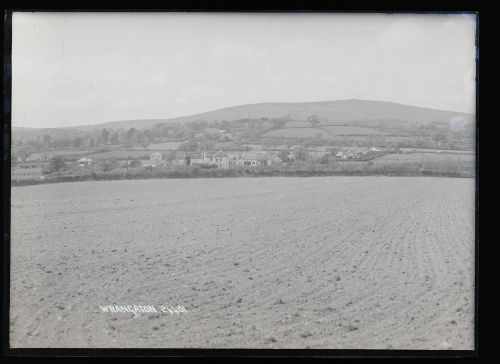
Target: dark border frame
column 396, row 7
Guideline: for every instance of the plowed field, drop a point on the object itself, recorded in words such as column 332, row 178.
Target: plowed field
column 334, row 262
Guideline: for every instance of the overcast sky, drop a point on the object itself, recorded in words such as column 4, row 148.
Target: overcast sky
column 87, row 68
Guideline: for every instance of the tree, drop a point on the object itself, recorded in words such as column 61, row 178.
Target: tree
column 35, row 144
column 23, row 152
column 62, row 143
column 108, row 165
column 439, row 137
column 325, row 159
column 313, row 119
column 46, row 141
column 170, row 156
column 105, row 136
column 208, row 144
column 77, row 141
column 164, row 132
column 56, row 164
column 300, row 154
column 115, row 138
column 140, row 137
column 284, row 155
column 131, row 132
column 134, row 163
column 149, row 135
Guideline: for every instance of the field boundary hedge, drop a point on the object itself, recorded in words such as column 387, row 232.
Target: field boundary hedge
column 249, row 172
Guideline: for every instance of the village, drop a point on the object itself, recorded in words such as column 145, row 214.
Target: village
column 40, row 167
column 34, row 168
column 255, row 158
column 197, row 146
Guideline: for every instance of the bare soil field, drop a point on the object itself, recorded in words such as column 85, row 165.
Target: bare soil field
column 323, row 262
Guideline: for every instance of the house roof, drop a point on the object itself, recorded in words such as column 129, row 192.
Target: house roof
column 215, row 154
column 255, row 157
column 84, row 159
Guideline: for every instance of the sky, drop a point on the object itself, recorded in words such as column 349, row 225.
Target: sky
column 73, row 69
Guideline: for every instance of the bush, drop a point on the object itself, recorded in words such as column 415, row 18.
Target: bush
column 134, row 163
column 325, row 159
column 56, row 164
column 208, row 166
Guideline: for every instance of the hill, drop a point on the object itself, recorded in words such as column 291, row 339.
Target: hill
column 340, row 111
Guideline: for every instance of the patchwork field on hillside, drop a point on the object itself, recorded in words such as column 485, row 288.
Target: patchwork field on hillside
column 297, row 133
column 326, row 132
column 330, row 262
column 351, row 130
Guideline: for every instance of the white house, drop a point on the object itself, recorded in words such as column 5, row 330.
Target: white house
column 219, row 159
column 406, row 150
column 254, row 160
column 341, row 155
column 155, row 157
column 84, row 162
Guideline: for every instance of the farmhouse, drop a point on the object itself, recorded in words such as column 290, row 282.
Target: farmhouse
column 196, row 159
column 249, row 159
column 155, row 157
column 347, row 154
column 183, row 158
column 219, row 159
column 152, row 163
column 253, row 160
column 84, row 162
column 341, row 155
column 273, row 160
